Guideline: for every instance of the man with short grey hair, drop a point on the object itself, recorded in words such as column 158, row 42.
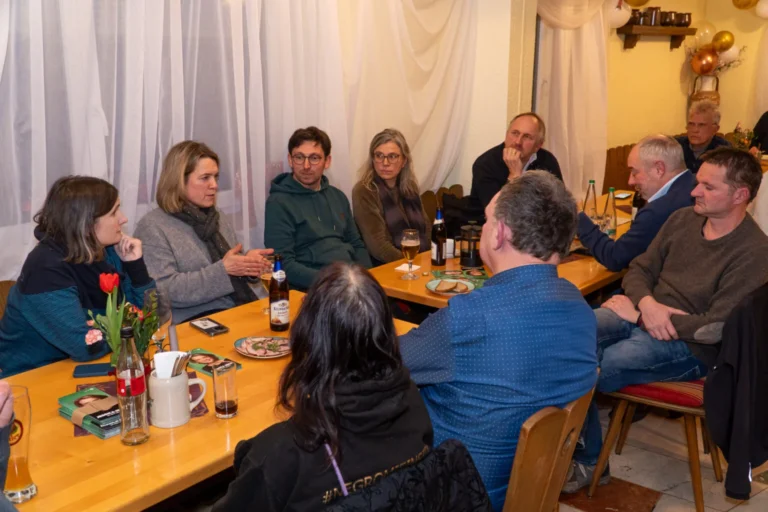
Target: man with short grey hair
column 657, row 172
column 524, row 341
column 703, row 124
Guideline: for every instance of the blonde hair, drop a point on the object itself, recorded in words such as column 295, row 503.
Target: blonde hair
column 407, row 184
column 179, row 163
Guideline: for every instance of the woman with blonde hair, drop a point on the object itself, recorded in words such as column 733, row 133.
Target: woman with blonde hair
column 191, row 249
column 386, row 200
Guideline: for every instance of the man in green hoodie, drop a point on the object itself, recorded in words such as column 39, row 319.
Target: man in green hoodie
column 308, row 221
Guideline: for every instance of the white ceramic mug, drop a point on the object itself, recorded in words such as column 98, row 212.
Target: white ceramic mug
column 170, row 406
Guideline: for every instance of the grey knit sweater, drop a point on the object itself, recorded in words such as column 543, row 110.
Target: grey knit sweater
column 180, row 264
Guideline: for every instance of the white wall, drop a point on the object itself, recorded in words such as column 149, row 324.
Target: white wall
column 488, row 110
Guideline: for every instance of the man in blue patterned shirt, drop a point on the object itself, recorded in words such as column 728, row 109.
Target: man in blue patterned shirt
column 524, row 341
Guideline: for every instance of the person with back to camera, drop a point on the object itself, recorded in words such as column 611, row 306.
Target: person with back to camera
column 349, row 395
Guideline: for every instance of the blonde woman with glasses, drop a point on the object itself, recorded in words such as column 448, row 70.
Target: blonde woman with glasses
column 386, row 200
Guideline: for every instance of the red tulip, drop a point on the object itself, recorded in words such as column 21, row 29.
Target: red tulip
column 108, row 282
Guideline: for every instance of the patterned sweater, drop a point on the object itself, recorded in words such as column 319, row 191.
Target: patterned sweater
column 45, row 318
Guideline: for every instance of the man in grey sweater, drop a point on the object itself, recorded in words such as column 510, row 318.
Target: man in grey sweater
column 667, row 327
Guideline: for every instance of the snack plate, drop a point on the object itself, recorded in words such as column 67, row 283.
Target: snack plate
column 432, row 286
column 259, row 347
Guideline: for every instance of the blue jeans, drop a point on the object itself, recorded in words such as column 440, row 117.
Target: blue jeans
column 629, row 355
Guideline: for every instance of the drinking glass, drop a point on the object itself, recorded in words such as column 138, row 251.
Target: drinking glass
column 266, row 278
column 18, row 483
column 164, row 316
column 225, row 390
column 410, row 246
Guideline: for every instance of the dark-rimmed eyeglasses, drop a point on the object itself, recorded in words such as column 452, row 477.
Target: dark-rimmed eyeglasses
column 299, row 159
column 392, row 158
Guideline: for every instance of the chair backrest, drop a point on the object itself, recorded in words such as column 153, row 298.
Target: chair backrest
column 5, row 288
column 616, row 170
column 457, row 190
column 445, row 480
column 541, row 464
column 429, row 202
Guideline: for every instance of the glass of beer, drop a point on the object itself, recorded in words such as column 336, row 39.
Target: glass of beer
column 18, row 483
column 266, row 278
column 410, row 246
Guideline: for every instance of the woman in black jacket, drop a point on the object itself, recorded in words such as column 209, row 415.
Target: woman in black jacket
column 357, row 416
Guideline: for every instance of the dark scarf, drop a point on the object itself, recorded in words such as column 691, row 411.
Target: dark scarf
column 206, row 226
column 394, row 205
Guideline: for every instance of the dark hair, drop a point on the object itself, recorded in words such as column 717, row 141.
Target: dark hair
column 343, row 333
column 69, row 215
column 540, row 212
column 741, row 168
column 310, row 134
column 79, row 401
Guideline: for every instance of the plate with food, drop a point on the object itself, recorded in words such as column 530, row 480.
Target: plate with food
column 259, row 347
column 450, row 287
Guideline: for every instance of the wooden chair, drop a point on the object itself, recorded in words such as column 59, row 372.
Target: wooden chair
column 429, row 202
column 5, row 288
column 616, row 170
column 541, row 465
column 456, row 190
column 686, row 398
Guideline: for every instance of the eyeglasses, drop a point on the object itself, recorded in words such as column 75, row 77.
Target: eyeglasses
column 392, row 158
column 299, row 158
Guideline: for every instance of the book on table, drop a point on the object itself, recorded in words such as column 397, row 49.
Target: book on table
column 92, row 409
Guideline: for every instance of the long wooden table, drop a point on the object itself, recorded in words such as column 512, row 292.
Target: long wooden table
column 87, row 474
column 584, row 271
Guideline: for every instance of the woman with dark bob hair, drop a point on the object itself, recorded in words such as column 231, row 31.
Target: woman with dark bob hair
column 356, row 414
column 80, row 235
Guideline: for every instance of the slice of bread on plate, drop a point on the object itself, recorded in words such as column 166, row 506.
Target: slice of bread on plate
column 446, row 286
column 461, row 288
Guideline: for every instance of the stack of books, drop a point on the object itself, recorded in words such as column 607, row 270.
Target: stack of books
column 101, row 420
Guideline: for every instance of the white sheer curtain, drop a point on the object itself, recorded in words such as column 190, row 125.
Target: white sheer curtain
column 106, row 88
column 572, row 87
column 761, row 78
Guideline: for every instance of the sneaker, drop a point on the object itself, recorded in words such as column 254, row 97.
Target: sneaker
column 580, row 476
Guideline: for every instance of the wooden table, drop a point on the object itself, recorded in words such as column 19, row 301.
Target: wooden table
column 87, row 474
column 584, row 272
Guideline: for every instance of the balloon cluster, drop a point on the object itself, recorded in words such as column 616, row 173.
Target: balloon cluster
column 713, row 48
column 761, row 6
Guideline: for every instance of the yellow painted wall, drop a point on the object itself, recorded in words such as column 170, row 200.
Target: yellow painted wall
column 649, row 85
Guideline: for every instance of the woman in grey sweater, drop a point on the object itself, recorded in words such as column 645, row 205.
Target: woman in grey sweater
column 189, row 247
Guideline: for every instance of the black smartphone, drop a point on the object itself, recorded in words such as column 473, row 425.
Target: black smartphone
column 208, row 326
column 92, row 370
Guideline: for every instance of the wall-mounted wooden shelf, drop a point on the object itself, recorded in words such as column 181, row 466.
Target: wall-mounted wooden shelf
column 633, row 32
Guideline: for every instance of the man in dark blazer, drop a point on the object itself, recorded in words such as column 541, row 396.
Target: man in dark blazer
column 658, row 174
column 703, row 124
column 521, row 151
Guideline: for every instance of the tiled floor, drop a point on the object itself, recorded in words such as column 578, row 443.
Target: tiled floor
column 655, row 456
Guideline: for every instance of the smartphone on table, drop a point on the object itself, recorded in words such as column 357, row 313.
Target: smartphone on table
column 209, row 326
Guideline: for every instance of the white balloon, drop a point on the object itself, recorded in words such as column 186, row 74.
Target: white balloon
column 761, row 9
column 619, row 16
column 729, row 55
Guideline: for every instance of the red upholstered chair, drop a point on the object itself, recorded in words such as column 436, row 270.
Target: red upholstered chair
column 686, row 398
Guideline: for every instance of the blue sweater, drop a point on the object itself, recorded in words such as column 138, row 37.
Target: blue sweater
column 45, row 318
column 615, row 255
column 485, row 363
column 691, row 162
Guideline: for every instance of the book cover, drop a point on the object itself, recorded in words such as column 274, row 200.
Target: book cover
column 81, row 398
column 203, row 361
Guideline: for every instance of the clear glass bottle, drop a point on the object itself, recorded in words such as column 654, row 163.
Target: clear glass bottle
column 610, row 221
column 131, row 391
column 590, row 202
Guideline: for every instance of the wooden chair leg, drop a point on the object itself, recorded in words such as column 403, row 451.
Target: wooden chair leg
column 693, row 461
column 714, row 451
column 625, row 425
column 704, row 436
column 610, row 439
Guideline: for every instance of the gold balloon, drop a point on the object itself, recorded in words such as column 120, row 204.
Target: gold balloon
column 745, row 4
column 722, row 41
column 636, row 3
column 704, row 62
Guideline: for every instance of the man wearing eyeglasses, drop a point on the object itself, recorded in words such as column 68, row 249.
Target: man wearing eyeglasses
column 521, row 151
column 308, row 221
column 703, row 124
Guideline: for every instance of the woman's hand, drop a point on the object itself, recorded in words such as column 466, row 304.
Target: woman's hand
column 240, row 265
column 129, row 248
column 260, row 256
column 623, row 307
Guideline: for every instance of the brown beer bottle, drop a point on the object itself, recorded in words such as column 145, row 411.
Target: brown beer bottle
column 279, row 310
